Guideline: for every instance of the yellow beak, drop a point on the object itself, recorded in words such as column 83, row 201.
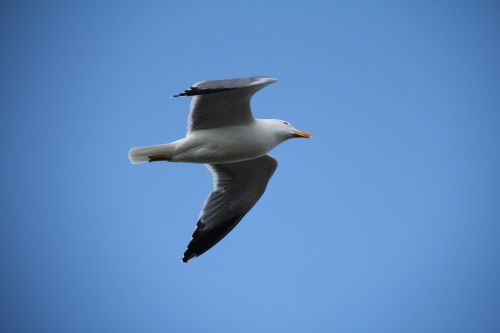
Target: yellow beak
column 301, row 134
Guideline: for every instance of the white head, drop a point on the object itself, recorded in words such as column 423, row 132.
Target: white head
column 285, row 130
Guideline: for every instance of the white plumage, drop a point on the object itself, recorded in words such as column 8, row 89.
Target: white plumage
column 223, row 134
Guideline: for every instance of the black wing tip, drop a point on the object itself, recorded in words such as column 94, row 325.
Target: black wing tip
column 195, row 91
column 187, row 257
column 190, row 254
column 187, row 92
column 201, row 243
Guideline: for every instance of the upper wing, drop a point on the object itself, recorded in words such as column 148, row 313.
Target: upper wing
column 237, row 187
column 222, row 103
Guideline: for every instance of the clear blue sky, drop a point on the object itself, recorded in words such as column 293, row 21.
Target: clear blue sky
column 387, row 221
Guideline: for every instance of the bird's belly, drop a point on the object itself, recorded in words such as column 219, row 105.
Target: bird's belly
column 221, row 148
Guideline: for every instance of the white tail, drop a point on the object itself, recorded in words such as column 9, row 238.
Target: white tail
column 151, row 153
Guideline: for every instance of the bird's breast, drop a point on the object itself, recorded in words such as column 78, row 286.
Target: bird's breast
column 223, row 145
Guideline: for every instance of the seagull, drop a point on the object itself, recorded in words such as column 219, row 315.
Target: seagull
column 223, row 134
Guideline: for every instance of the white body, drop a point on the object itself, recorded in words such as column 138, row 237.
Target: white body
column 226, row 144
column 218, row 145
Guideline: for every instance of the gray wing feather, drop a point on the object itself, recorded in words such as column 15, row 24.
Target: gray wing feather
column 220, row 103
column 237, row 187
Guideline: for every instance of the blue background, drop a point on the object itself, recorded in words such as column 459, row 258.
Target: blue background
column 388, row 220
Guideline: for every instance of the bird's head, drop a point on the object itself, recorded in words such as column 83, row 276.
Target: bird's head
column 286, row 130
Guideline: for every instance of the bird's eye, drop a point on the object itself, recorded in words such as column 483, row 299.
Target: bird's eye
column 286, row 123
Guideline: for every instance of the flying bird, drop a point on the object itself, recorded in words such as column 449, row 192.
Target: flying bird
column 223, row 134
